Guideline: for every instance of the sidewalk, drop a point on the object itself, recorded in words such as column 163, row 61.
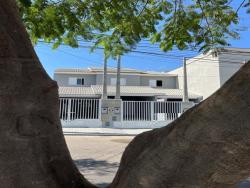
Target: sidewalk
column 103, row 131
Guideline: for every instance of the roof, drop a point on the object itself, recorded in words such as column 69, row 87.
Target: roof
column 239, row 50
column 96, row 91
column 110, row 71
column 76, row 91
column 229, row 50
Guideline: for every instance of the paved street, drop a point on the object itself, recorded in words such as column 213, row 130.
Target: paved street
column 97, row 157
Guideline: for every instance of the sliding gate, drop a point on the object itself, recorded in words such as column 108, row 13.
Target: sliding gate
column 151, row 110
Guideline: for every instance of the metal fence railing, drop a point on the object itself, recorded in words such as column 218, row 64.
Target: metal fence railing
column 71, row 109
column 87, row 109
column 151, row 110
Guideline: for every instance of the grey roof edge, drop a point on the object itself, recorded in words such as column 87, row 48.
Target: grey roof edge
column 124, row 72
column 96, row 94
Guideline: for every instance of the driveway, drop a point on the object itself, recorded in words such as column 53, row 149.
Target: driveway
column 97, row 157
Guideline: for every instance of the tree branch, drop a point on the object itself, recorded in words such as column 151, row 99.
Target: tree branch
column 206, row 20
column 144, row 7
column 242, row 3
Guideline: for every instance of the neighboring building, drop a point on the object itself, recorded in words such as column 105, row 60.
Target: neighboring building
column 135, row 85
column 207, row 72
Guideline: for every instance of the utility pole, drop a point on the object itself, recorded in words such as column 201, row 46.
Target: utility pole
column 104, row 86
column 185, row 87
column 118, row 78
column 186, row 104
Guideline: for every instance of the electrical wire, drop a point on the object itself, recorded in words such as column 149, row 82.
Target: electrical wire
column 171, row 56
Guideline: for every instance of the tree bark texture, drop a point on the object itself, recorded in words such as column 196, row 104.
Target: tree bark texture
column 207, row 147
column 33, row 152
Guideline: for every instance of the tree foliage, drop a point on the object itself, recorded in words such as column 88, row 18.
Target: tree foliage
column 248, row 6
column 118, row 25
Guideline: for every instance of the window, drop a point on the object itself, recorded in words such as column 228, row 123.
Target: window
column 159, row 83
column 80, row 81
column 155, row 83
column 123, row 81
column 76, row 81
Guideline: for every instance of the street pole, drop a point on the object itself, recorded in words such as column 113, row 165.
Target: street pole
column 118, row 78
column 104, row 86
column 185, row 87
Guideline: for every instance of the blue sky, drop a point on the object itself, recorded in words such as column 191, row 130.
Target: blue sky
column 66, row 57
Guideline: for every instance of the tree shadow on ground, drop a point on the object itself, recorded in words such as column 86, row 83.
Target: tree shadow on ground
column 92, row 164
column 99, row 172
column 102, row 185
column 245, row 184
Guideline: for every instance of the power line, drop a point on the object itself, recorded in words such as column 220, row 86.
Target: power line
column 154, row 58
column 171, row 56
column 178, row 57
column 79, row 57
column 142, row 44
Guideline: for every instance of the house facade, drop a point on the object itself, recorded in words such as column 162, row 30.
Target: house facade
column 148, row 99
column 135, row 85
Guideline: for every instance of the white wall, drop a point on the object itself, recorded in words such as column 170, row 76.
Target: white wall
column 167, row 81
column 63, row 79
column 131, row 80
column 203, row 75
column 230, row 63
column 207, row 73
column 96, row 123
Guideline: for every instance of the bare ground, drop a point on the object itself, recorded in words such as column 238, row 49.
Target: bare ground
column 97, row 157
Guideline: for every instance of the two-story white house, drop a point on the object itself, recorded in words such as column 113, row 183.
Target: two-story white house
column 149, row 99
column 135, row 85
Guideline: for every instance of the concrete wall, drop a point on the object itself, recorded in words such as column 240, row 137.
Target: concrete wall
column 131, row 80
column 230, row 63
column 207, row 73
column 202, row 75
column 71, row 126
column 63, row 80
column 167, row 82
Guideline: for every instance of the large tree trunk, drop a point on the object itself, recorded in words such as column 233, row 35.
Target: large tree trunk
column 207, row 147
column 33, row 152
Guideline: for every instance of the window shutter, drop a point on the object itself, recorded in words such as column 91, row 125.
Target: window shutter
column 152, row 83
column 72, row 81
column 113, row 81
column 123, row 81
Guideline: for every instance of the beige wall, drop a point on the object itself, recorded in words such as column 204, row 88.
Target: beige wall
column 202, row 75
column 231, row 63
column 63, row 80
column 207, row 73
column 167, row 82
column 131, row 80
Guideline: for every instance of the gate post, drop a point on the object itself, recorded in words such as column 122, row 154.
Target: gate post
column 69, row 110
column 121, row 110
column 100, row 109
column 152, row 110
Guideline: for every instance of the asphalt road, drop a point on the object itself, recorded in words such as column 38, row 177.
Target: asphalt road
column 97, row 157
